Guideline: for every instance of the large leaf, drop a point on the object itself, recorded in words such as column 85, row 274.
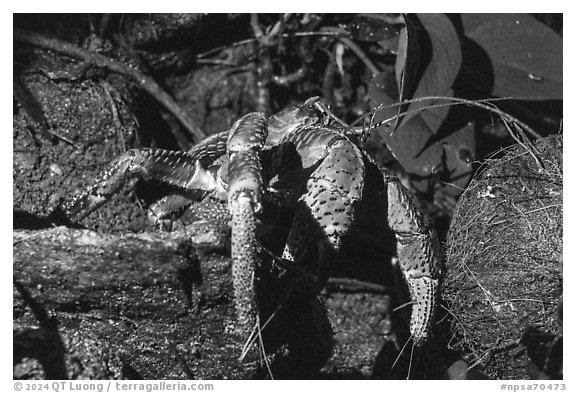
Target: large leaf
column 436, row 138
column 407, row 65
column 428, row 61
column 526, row 55
column 383, row 93
column 459, row 150
column 410, row 145
column 458, row 137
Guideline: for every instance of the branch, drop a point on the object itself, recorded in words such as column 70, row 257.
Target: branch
column 342, row 36
column 283, row 35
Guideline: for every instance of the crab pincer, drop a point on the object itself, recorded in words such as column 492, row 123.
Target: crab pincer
column 419, row 256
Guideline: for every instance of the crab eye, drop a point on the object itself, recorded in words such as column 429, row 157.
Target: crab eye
column 313, row 111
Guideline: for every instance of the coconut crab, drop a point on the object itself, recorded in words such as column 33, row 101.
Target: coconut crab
column 298, row 169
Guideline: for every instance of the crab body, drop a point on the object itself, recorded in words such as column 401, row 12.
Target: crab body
column 300, row 161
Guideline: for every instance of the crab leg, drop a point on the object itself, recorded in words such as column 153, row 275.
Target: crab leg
column 162, row 208
column 419, row 254
column 181, row 169
column 246, row 140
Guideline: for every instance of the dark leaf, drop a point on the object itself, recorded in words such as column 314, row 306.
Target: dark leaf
column 459, row 152
column 431, row 38
column 407, row 64
column 526, row 55
column 427, row 64
column 410, row 145
column 383, row 93
column 390, row 44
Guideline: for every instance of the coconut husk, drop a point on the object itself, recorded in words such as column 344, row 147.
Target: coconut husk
column 504, row 251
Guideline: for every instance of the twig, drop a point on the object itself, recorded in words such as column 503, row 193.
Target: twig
column 279, row 26
column 361, row 55
column 42, row 315
column 33, row 108
column 263, row 66
column 284, row 35
column 146, row 83
column 267, row 39
column 34, row 235
column 354, row 285
column 328, row 78
column 256, row 29
column 116, row 117
column 391, row 20
column 64, row 139
column 264, row 356
column 210, row 52
column 525, row 142
column 180, row 359
column 220, row 63
column 485, row 104
column 342, row 37
column 286, row 80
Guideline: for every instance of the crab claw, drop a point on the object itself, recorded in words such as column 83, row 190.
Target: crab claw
column 106, row 185
column 419, row 255
column 423, row 291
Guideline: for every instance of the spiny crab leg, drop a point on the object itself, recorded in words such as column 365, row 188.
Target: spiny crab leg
column 419, row 254
column 245, row 143
column 181, row 169
column 146, row 163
